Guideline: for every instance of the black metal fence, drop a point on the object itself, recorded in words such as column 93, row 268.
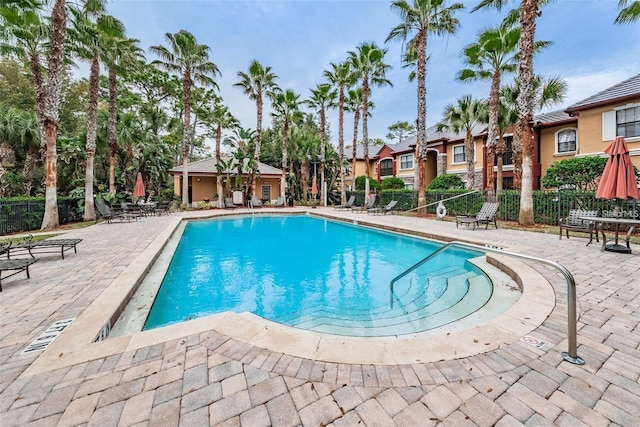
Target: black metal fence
column 25, row 215
column 548, row 205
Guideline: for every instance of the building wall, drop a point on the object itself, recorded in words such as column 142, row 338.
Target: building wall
column 548, row 155
column 204, row 187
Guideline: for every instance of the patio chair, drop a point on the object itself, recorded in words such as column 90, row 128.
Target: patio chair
column 44, row 246
column 255, row 202
column 163, row 208
column 21, row 264
column 370, row 205
column 572, row 222
column 105, row 211
column 384, row 210
column 487, row 214
column 280, row 203
column 131, row 211
column 348, row 205
column 228, row 203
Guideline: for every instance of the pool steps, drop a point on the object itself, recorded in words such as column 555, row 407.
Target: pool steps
column 417, row 309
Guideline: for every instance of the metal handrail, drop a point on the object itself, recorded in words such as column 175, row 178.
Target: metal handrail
column 439, row 201
column 572, row 354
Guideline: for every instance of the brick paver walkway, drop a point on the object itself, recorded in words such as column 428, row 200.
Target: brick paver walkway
column 210, row 379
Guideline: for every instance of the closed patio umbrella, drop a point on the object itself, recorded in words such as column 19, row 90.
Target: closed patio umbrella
column 618, row 179
column 314, row 187
column 138, row 189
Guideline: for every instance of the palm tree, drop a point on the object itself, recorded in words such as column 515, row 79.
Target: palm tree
column 489, row 58
column 48, row 96
column 222, row 118
column 369, row 67
column 256, row 83
column 629, row 11
column 243, row 143
column 343, row 78
column 322, row 98
column 529, row 11
column 286, row 106
column 422, row 17
column 88, row 38
column 465, row 116
column 546, row 93
column 191, row 60
column 120, row 53
column 353, row 103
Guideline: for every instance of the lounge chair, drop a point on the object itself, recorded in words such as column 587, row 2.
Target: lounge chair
column 255, row 202
column 572, row 222
column 43, row 246
column 162, row 208
column 485, row 215
column 228, row 203
column 105, row 211
column 348, row 205
column 384, row 210
column 370, row 205
column 279, row 203
column 20, row 264
column 4, row 247
column 132, row 211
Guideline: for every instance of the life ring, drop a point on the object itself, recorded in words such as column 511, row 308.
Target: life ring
column 441, row 211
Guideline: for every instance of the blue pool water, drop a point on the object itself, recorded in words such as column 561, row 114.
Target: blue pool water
column 312, row 273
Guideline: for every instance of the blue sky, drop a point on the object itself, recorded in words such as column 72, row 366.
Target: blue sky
column 299, row 39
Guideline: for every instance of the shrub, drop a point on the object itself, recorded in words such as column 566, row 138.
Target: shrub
column 580, row 173
column 392, row 183
column 446, row 181
column 373, row 184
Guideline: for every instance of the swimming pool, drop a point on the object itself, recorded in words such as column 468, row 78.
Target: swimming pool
column 316, row 274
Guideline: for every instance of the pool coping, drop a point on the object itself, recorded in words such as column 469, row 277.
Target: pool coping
column 77, row 343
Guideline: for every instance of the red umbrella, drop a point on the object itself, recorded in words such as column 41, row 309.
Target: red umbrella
column 314, row 186
column 618, row 179
column 138, row 189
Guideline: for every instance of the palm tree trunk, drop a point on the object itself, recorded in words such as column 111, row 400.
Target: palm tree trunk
column 50, row 112
column 92, row 112
column 36, row 72
column 365, row 130
column 186, row 134
column 343, row 192
column 528, row 14
column 470, row 157
column 112, row 126
column 256, row 155
column 492, row 131
column 285, row 141
column 323, row 147
column 28, row 170
column 356, row 121
column 421, row 146
column 304, row 178
column 219, row 185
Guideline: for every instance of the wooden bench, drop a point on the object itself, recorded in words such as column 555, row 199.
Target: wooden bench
column 572, row 222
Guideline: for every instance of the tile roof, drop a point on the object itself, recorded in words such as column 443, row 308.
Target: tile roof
column 208, row 166
column 626, row 89
column 553, row 117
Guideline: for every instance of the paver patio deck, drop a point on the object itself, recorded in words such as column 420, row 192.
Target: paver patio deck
column 207, row 378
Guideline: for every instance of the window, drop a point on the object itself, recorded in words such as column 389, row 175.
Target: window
column 386, row 167
column 623, row 121
column 507, row 157
column 406, row 161
column 566, row 141
column 628, row 122
column 266, row 192
column 458, row 154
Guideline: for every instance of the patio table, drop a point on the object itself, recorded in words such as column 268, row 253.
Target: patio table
column 617, row 224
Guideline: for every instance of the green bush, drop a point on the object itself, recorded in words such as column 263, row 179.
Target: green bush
column 392, row 183
column 579, row 173
column 446, row 181
column 373, row 184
